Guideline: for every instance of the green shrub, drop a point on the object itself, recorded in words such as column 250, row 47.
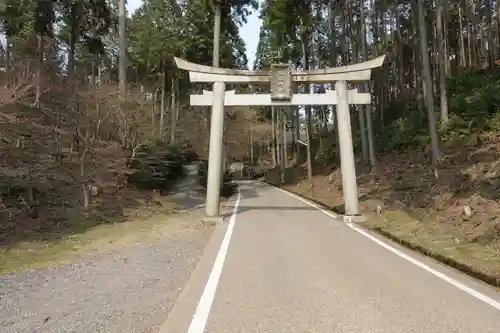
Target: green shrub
column 407, row 132
column 474, row 105
column 203, row 173
column 229, row 186
column 474, row 98
column 157, row 166
column 329, row 154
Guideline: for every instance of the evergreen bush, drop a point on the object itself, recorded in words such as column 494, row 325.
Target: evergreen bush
column 229, row 186
column 157, row 166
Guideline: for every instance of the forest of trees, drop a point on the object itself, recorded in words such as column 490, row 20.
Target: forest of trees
column 439, row 78
column 428, row 147
column 85, row 86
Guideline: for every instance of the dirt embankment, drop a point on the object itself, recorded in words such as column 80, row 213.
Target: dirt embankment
column 456, row 215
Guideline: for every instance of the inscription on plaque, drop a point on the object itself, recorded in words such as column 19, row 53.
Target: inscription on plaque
column 281, row 82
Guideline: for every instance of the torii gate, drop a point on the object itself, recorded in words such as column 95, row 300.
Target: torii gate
column 281, row 77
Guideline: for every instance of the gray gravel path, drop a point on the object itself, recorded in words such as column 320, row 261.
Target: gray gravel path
column 131, row 289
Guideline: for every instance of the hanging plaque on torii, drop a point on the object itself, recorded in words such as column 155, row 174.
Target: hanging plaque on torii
column 281, row 82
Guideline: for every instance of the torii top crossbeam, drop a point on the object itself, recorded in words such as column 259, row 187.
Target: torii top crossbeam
column 205, row 74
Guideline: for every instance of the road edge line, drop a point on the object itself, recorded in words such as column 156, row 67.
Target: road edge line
column 202, row 312
column 179, row 316
column 477, row 274
column 457, row 284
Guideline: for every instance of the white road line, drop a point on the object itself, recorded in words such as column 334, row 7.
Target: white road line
column 444, row 277
column 200, row 317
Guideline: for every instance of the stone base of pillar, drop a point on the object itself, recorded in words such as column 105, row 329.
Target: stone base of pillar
column 354, row 218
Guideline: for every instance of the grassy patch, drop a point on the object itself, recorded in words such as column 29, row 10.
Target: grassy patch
column 425, row 233
column 138, row 226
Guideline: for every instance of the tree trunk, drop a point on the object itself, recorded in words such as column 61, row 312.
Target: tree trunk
column 491, row 43
column 473, row 54
column 427, row 83
column 72, row 40
column 360, row 108
column 173, row 110
column 367, row 88
column 379, row 22
column 298, row 155
column 498, row 23
column 273, row 135
column 463, row 60
column 7, row 62
column 84, row 186
column 153, row 115
column 162, row 105
column 305, row 52
column 122, row 66
column 332, row 35
column 400, row 55
column 39, row 67
column 278, row 138
column 442, row 63
column 446, row 48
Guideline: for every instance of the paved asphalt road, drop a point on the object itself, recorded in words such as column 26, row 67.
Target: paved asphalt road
column 289, row 267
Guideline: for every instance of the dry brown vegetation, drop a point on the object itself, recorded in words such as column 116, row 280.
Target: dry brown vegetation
column 243, row 126
column 65, row 147
column 50, row 174
column 64, row 150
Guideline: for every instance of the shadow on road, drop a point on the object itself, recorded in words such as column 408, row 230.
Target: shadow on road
column 190, row 195
column 242, row 209
column 253, row 189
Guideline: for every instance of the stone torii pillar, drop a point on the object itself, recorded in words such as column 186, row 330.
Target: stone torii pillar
column 347, row 163
column 281, row 78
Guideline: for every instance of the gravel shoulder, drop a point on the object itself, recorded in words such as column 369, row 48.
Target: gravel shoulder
column 127, row 285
